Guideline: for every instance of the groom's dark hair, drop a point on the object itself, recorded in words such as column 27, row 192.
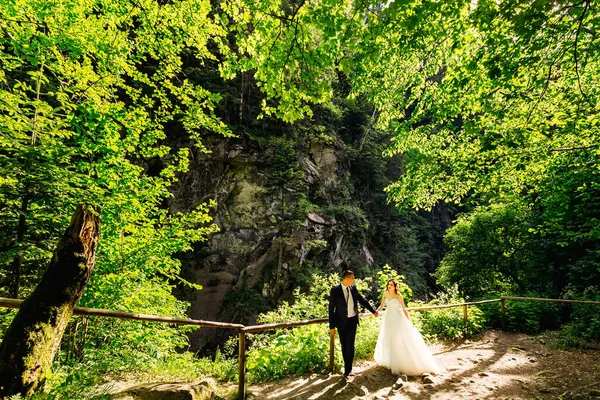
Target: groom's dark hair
column 346, row 273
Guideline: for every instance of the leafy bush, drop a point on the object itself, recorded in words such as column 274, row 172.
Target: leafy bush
column 291, row 352
column 309, row 305
column 82, row 380
column 366, row 339
column 531, row 317
column 585, row 318
column 584, row 321
column 448, row 323
column 492, row 313
column 6, row 316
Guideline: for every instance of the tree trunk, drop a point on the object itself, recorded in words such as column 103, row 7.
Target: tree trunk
column 15, row 271
column 31, row 341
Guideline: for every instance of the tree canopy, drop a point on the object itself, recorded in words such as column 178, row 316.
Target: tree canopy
column 491, row 103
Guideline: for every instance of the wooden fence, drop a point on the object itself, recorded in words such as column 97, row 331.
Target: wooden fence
column 243, row 330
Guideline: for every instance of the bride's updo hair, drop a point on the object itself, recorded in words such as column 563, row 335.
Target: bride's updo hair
column 395, row 285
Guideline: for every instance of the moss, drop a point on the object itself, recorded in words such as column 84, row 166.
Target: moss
column 248, row 192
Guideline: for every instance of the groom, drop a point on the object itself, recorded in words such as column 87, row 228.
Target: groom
column 343, row 315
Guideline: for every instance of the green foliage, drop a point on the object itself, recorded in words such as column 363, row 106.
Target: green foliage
column 492, row 105
column 490, row 250
column 541, row 242
column 488, row 102
column 299, row 350
column 529, row 316
column 385, row 274
column 285, row 178
column 284, row 166
column 81, row 381
column 584, row 322
column 308, row 305
column 565, row 339
column 350, row 219
column 6, row 317
column 84, row 105
column 87, row 92
column 241, row 300
column 448, row 323
column 366, row 339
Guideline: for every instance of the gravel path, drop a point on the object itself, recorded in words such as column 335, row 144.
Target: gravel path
column 498, row 365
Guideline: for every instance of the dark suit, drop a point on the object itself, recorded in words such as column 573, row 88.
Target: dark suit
column 338, row 318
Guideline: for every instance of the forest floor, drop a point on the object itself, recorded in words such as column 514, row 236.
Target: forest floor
column 496, row 365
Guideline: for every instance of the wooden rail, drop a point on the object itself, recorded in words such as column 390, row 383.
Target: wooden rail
column 550, row 300
column 453, row 305
column 99, row 312
column 243, row 330
column 283, row 325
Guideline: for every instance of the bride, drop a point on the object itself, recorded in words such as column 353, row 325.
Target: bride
column 400, row 346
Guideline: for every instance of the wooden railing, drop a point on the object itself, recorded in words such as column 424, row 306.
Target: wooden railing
column 243, row 330
column 99, row 312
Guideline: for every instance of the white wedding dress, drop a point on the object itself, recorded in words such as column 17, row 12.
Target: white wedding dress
column 400, row 346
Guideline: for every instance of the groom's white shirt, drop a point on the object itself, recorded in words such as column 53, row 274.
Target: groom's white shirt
column 349, row 300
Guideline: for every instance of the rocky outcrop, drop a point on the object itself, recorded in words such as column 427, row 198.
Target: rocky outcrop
column 283, row 205
column 259, row 247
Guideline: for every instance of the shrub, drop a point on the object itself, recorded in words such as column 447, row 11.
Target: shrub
column 584, row 321
column 290, row 352
column 585, row 318
column 6, row 317
column 448, row 323
column 531, row 317
column 366, row 338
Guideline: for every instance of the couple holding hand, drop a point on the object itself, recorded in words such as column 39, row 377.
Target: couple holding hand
column 400, row 347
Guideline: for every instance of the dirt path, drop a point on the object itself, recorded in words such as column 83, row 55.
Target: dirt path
column 497, row 365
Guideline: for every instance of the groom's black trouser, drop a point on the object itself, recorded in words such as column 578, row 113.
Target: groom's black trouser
column 347, row 338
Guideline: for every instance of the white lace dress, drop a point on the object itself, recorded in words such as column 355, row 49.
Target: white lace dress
column 400, row 346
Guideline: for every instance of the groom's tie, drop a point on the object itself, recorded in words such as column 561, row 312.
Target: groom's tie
column 349, row 302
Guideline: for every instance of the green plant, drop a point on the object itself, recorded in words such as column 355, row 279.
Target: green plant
column 531, row 317
column 448, row 323
column 584, row 321
column 385, row 274
column 585, row 318
column 292, row 352
column 6, row 317
column 366, row 339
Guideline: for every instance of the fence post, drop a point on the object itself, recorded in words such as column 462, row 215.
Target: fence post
column 331, row 349
column 503, row 313
column 242, row 370
column 465, row 317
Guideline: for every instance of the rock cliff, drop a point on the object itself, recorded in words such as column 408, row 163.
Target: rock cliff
column 293, row 200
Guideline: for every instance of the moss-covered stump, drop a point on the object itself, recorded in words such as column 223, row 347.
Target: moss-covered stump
column 31, row 341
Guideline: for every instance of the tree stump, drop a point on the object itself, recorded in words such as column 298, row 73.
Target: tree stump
column 33, row 338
